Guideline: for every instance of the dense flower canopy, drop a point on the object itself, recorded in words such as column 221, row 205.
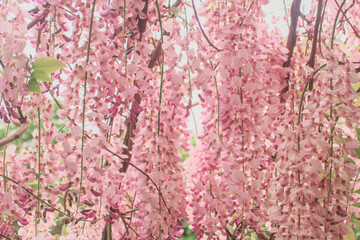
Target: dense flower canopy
column 106, row 88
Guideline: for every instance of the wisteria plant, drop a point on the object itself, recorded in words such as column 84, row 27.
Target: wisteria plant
column 104, row 91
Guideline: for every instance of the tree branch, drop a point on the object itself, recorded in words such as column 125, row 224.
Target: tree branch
column 130, row 127
column 177, row 3
column 291, row 41
column 202, row 30
column 142, row 21
column 42, row 18
column 311, row 61
column 155, row 55
column 14, row 136
column 347, row 19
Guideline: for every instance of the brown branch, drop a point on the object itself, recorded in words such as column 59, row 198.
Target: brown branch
column 321, row 24
column 130, row 127
column 177, row 3
column 142, row 21
column 17, row 122
column 272, row 236
column 41, row 19
column 14, row 136
column 202, row 30
column 311, row 61
column 291, row 41
column 155, row 55
column 104, row 234
column 34, row 10
column 20, row 122
column 302, row 16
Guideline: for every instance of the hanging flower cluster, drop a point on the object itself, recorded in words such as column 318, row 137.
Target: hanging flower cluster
column 232, row 167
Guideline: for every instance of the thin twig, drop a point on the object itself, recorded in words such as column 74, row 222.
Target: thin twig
column 33, row 195
column 311, row 61
column 38, row 176
column 334, row 27
column 321, row 25
column 83, row 110
column 347, row 19
column 218, row 102
column 121, row 215
column 5, row 236
column 145, row 174
column 160, row 96
column 303, row 93
column 4, row 160
column 202, row 30
column 287, row 18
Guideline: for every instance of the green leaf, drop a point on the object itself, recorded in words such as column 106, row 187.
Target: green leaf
column 183, row 154
column 356, row 86
column 34, row 86
column 27, row 165
column 351, row 234
column 19, row 57
column 185, row 224
column 193, row 140
column 64, row 231
column 355, row 221
column 357, row 191
column 357, row 204
column 33, row 186
column 347, row 158
column 358, row 133
column 357, row 151
column 47, row 65
column 40, row 75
